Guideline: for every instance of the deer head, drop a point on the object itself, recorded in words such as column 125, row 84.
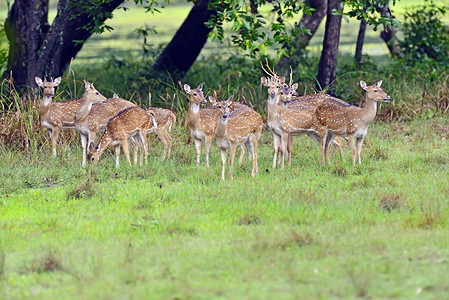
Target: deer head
column 48, row 86
column 374, row 92
column 196, row 95
column 92, row 95
column 94, row 154
column 225, row 108
column 274, row 84
column 287, row 93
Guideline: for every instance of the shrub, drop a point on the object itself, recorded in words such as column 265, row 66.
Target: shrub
column 426, row 37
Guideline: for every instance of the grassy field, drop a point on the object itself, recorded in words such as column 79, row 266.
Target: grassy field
column 171, row 230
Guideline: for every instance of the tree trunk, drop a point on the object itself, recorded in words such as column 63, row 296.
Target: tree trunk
column 360, row 40
column 389, row 34
column 328, row 61
column 311, row 22
column 38, row 49
column 182, row 51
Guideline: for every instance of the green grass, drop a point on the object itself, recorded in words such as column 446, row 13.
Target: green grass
column 173, row 230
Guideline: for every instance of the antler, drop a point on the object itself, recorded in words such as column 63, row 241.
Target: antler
column 271, row 73
column 291, row 76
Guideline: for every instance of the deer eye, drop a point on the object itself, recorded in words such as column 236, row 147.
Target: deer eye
column 92, row 159
column 195, row 94
column 375, row 91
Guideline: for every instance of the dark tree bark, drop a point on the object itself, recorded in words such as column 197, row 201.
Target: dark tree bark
column 389, row 34
column 360, row 41
column 328, row 61
column 40, row 49
column 182, row 51
column 311, row 22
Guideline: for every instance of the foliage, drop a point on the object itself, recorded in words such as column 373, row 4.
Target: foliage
column 426, row 37
column 259, row 28
column 4, row 46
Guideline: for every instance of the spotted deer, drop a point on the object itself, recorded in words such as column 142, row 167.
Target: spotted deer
column 94, row 113
column 200, row 122
column 234, row 106
column 307, row 103
column 55, row 115
column 283, row 121
column 344, row 120
column 241, row 126
column 165, row 120
column 130, row 122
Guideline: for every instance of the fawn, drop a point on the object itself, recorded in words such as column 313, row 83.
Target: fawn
column 344, row 120
column 55, row 115
column 165, row 120
column 242, row 126
column 130, row 122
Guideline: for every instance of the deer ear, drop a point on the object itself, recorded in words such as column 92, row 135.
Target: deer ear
column 38, row 81
column 86, row 85
column 282, row 79
column 363, row 85
column 212, row 100
column 115, row 96
column 229, row 101
column 187, row 88
column 295, row 86
column 263, row 81
column 91, row 146
column 57, row 81
column 379, row 83
column 200, row 87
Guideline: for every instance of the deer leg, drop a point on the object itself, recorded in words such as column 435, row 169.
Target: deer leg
column 353, row 149
column 329, row 141
column 231, row 160
column 276, row 144
column 126, row 150
column 54, row 134
column 223, row 162
column 291, row 139
column 162, row 137
column 198, row 150
column 242, row 153
column 143, row 139
column 323, row 135
column 339, row 145
column 359, row 149
column 208, row 142
column 251, row 145
column 117, row 155
column 84, row 146
column 284, row 140
column 255, row 142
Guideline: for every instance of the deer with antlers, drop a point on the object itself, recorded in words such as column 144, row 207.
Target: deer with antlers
column 131, row 122
column 241, row 126
column 55, row 115
column 94, row 113
column 283, row 121
column 344, row 120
